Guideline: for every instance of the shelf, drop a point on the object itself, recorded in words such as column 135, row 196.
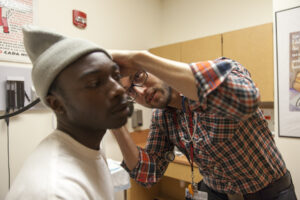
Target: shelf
column 163, row 198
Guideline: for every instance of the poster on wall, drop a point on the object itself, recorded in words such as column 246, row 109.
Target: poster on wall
column 288, row 71
column 13, row 15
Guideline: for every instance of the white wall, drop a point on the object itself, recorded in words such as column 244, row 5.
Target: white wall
column 119, row 24
column 188, row 19
column 112, row 24
column 289, row 147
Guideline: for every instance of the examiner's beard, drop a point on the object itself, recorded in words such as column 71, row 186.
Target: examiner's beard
column 169, row 96
column 167, row 91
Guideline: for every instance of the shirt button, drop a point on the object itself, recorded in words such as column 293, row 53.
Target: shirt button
column 215, row 168
column 199, row 152
column 200, row 139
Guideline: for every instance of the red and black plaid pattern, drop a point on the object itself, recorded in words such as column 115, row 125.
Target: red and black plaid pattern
column 234, row 148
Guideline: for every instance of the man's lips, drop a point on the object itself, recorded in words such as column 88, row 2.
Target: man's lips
column 120, row 107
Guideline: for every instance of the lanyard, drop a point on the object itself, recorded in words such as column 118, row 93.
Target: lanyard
column 191, row 130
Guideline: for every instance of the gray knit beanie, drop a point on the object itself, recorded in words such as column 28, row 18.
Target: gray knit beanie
column 50, row 53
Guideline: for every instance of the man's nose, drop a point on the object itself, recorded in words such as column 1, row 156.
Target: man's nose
column 140, row 90
column 117, row 89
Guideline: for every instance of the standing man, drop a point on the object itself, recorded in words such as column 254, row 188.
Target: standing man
column 80, row 83
column 209, row 111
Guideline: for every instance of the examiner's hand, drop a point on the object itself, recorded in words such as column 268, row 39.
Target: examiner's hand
column 127, row 61
column 118, row 130
column 115, row 131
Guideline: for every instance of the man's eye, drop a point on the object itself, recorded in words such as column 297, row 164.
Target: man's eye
column 117, row 77
column 93, row 84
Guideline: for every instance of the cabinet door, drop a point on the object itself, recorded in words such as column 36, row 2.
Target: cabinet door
column 253, row 48
column 206, row 48
column 171, row 51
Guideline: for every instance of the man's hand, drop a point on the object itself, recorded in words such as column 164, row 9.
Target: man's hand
column 126, row 61
column 128, row 147
column 118, row 130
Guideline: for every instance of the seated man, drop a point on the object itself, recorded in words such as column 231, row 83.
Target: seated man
column 79, row 81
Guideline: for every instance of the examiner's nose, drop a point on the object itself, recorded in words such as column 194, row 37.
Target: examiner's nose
column 140, row 90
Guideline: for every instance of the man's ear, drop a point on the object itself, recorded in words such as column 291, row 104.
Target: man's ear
column 55, row 104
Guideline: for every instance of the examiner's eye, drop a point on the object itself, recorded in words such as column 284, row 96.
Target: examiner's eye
column 138, row 77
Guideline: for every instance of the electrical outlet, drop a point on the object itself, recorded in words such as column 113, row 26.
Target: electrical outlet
column 269, row 116
column 15, row 95
column 137, row 118
column 12, row 73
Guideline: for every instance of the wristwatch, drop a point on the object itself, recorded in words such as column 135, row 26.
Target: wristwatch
column 169, row 156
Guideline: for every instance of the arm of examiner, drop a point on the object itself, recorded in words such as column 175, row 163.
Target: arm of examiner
column 222, row 86
column 147, row 165
column 176, row 74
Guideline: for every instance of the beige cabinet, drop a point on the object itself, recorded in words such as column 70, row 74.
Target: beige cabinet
column 171, row 51
column 207, row 48
column 170, row 187
column 252, row 47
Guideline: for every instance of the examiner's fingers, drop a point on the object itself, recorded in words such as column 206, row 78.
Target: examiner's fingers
column 124, row 59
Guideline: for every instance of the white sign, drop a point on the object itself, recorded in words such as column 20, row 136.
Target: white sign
column 288, row 70
column 13, row 15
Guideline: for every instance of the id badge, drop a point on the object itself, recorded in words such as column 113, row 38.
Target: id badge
column 198, row 195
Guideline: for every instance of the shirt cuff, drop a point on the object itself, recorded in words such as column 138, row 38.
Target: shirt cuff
column 134, row 171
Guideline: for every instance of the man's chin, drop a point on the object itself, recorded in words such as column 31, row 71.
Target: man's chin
column 118, row 124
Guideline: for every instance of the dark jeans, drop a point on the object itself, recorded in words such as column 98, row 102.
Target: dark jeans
column 268, row 193
column 212, row 195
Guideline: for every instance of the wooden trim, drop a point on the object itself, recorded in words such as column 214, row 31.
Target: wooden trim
column 267, row 104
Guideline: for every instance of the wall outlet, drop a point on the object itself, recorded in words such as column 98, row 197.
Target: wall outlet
column 137, row 118
column 269, row 116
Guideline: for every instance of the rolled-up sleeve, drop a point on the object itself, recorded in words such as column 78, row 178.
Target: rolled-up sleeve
column 224, row 87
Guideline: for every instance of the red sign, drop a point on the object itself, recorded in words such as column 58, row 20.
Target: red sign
column 1, row 24
column 4, row 14
column 79, row 19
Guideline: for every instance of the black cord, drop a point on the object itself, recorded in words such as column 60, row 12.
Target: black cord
column 20, row 110
column 8, row 158
column 6, row 117
column 26, row 96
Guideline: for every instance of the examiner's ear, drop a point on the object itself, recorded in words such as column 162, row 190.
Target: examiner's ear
column 55, row 104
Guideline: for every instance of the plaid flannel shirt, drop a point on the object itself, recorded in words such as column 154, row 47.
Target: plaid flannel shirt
column 234, row 148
